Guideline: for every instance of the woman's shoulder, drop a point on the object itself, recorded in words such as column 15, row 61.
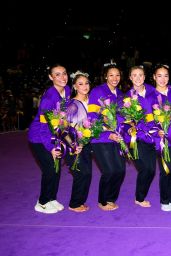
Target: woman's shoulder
column 97, row 89
column 68, row 89
column 49, row 92
column 72, row 101
column 72, row 105
column 149, row 87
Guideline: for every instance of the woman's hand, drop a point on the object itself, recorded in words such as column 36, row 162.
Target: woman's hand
column 115, row 137
column 161, row 133
column 78, row 149
column 55, row 153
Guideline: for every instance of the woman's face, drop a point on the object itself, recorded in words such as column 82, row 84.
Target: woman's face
column 161, row 77
column 82, row 85
column 137, row 77
column 113, row 78
column 59, row 76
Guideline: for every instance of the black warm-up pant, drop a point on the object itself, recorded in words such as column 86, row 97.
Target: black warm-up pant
column 165, row 181
column 49, row 177
column 112, row 167
column 146, row 167
column 81, row 176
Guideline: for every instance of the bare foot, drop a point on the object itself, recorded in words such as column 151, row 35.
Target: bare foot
column 143, row 204
column 85, row 206
column 81, row 208
column 110, row 206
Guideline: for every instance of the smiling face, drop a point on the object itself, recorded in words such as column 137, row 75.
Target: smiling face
column 59, row 77
column 161, row 77
column 113, row 78
column 137, row 77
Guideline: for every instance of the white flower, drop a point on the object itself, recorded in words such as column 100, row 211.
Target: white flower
column 78, row 72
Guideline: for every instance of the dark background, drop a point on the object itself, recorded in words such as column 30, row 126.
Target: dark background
column 80, row 35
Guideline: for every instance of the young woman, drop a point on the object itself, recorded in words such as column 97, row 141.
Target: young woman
column 146, row 162
column 106, row 149
column 77, row 113
column 161, row 95
column 39, row 137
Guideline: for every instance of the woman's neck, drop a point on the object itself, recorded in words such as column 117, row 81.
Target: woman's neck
column 139, row 89
column 162, row 89
column 82, row 98
column 61, row 90
column 112, row 88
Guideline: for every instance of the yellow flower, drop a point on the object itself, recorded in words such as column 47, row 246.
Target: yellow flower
column 157, row 112
column 138, row 107
column 161, row 119
column 55, row 122
column 105, row 112
column 128, row 99
column 87, row 133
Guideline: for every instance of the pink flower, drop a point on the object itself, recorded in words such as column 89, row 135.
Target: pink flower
column 107, row 102
column 87, row 123
column 79, row 134
column 134, row 97
column 166, row 108
column 127, row 104
column 62, row 114
column 156, row 106
column 61, row 122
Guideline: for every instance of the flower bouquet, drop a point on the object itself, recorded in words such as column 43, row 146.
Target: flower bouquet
column 58, row 125
column 162, row 117
column 133, row 113
column 109, row 113
column 84, row 133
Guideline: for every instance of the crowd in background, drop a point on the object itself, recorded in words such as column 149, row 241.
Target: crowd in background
column 22, row 84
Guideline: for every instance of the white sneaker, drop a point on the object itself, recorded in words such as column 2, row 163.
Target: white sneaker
column 45, row 208
column 57, row 205
column 166, row 207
